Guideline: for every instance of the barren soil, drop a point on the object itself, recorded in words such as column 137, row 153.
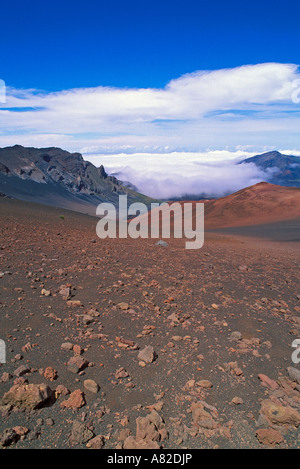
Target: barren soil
column 200, row 388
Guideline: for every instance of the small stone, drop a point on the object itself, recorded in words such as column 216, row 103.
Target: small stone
column 91, row 386
column 21, row 431
column 87, row 319
column 5, row 377
column 66, row 346
column 75, row 401
column 65, row 292
column 22, row 370
column 161, row 243
column 96, row 443
column 62, row 390
column 77, row 350
column 50, row 373
column 80, row 434
column 237, row 400
column 235, row 336
column 204, row 383
column 294, row 374
column 148, row 354
column 266, row 381
column 77, row 364
column 123, row 306
column 74, row 303
column 121, row 373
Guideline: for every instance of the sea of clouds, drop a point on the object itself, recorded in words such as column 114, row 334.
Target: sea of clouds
column 183, row 174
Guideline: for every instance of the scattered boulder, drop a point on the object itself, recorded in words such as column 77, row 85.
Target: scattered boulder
column 50, row 373
column 266, row 381
column 204, row 383
column 5, row 377
column 91, row 386
column 237, row 400
column 148, row 354
column 269, row 436
column 27, row 396
column 278, row 414
column 123, row 306
column 75, row 401
column 67, row 346
column 121, row 373
column 77, row 364
column 22, row 370
column 96, row 443
column 150, row 432
column 80, row 434
column 294, row 374
column 202, row 418
column 65, row 292
column 235, row 336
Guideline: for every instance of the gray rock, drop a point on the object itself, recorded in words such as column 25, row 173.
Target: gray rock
column 65, row 292
column 91, row 386
column 161, row 243
column 148, row 354
column 77, row 364
column 294, row 374
column 22, row 370
column 235, row 336
column 80, row 434
column 66, row 346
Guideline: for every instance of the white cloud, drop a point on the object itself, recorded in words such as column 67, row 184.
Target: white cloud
column 222, row 107
column 171, row 175
column 155, row 136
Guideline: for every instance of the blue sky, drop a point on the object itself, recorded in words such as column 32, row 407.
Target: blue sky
column 172, row 79
column 146, row 43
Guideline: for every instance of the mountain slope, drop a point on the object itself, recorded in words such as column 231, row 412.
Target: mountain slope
column 261, row 203
column 283, row 170
column 56, row 177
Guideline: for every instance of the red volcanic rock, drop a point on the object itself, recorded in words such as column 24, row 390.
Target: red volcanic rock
column 50, row 373
column 278, row 414
column 27, row 396
column 75, row 401
column 266, row 381
column 269, row 437
column 77, row 364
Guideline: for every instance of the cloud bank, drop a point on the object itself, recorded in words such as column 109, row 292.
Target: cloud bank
column 177, row 175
